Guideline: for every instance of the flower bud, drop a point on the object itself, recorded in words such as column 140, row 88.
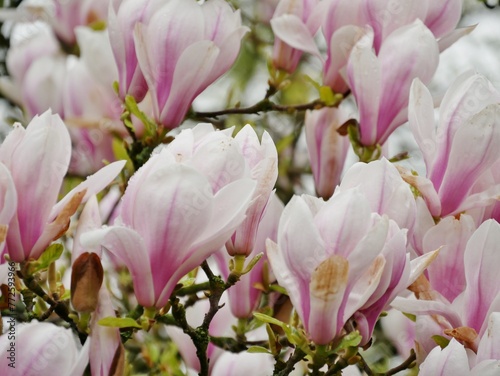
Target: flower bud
column 86, row 280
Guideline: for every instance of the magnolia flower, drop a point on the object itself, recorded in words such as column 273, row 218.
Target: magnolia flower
column 243, row 156
column 337, row 257
column 294, row 24
column 381, row 83
column 42, row 349
column 38, row 159
column 171, row 221
column 327, row 148
column 122, row 18
column 463, row 146
column 466, row 317
column 179, row 61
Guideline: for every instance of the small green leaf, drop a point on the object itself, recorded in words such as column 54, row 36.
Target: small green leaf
column 258, row 350
column 441, row 341
column 268, row 319
column 119, row 322
column 51, row 254
column 352, row 339
column 326, row 95
column 132, row 107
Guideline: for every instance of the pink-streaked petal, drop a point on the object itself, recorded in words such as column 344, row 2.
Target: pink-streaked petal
column 446, row 273
column 189, row 79
column 474, row 149
column 451, row 360
column 127, row 245
column 416, row 61
column 292, row 30
column 421, row 119
column 481, row 274
column 443, row 16
column 365, row 80
column 419, row 264
column 343, row 221
column 94, row 184
column 428, row 307
column 341, row 44
column 8, row 196
column 289, row 280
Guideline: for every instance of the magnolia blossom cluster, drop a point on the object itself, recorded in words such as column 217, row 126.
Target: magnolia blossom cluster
column 300, row 280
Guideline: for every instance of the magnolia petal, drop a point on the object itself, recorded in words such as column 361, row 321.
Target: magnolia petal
column 94, row 184
column 452, row 360
column 292, row 30
column 192, row 69
column 127, row 245
column 421, row 120
column 449, row 39
column 327, row 287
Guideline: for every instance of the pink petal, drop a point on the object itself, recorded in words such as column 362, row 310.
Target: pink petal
column 292, row 30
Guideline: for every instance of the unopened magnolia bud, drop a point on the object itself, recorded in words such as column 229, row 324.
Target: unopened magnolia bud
column 86, row 280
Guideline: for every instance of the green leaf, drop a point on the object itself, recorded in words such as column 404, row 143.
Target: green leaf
column 132, row 107
column 268, row 319
column 441, row 341
column 119, row 322
column 51, row 254
column 258, row 350
column 352, row 339
column 326, row 95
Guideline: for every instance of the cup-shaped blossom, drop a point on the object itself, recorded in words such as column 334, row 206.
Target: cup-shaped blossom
column 243, row 296
column 38, row 159
column 381, row 83
column 182, row 49
column 171, row 221
column 466, row 317
column 327, row 148
column 231, row 159
column 323, row 251
column 43, row 349
column 294, row 24
column 122, row 18
column 462, row 147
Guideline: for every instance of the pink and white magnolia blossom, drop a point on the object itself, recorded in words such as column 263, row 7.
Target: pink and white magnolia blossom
column 466, row 316
column 243, row 156
column 381, row 83
column 182, row 49
column 172, row 220
column 244, row 297
column 327, row 148
column 38, row 158
column 338, row 257
column 462, row 147
column 122, row 18
column 294, row 24
column 42, row 349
